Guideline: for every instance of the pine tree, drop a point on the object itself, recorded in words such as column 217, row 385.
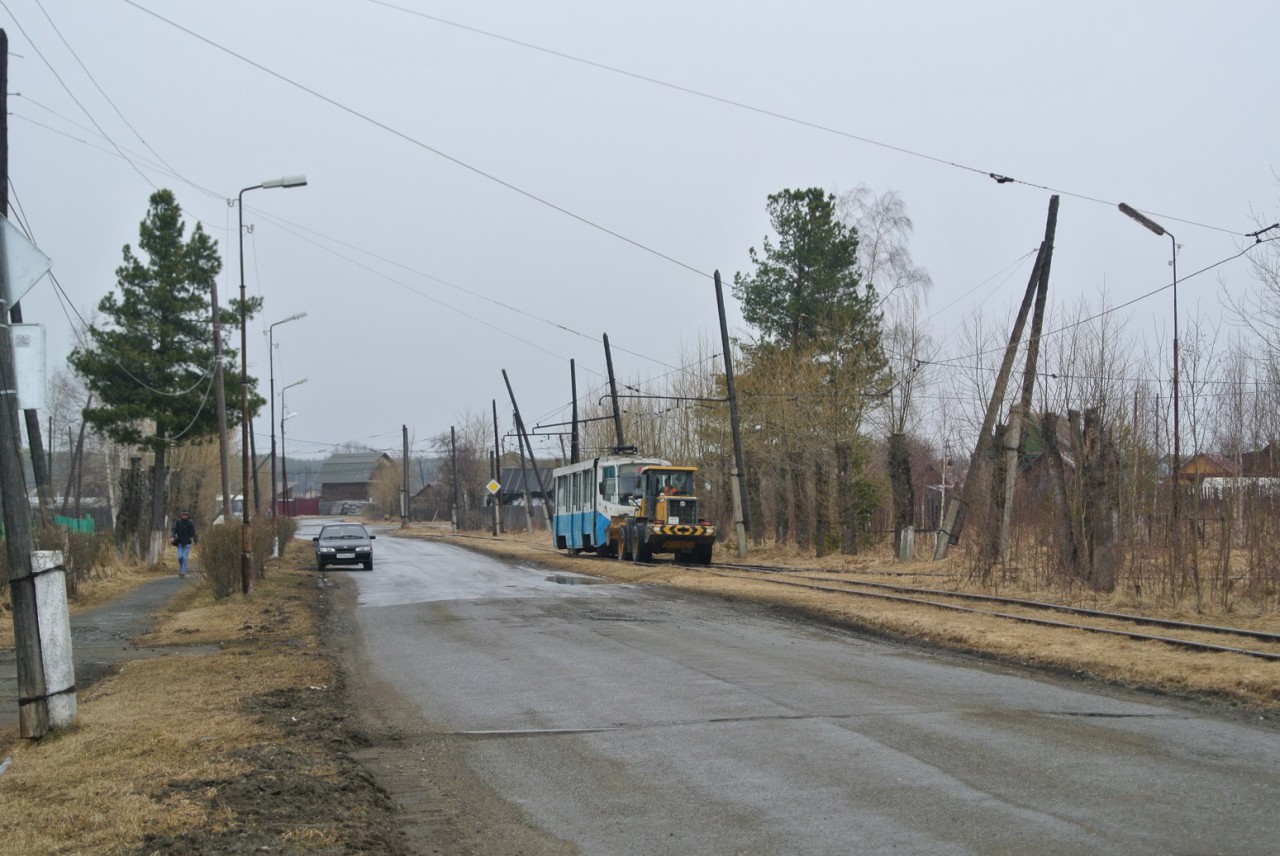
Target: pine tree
column 151, row 363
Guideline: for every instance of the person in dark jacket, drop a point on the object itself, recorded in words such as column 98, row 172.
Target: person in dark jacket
column 182, row 537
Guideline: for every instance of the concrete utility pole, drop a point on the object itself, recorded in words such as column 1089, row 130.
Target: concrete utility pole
column 737, row 489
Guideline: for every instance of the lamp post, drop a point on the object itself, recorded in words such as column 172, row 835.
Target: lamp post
column 271, row 353
column 1146, row 221
column 284, row 458
column 246, row 543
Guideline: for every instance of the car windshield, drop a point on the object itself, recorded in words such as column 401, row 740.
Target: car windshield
column 330, row 532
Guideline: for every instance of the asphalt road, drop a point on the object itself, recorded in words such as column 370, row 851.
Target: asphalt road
column 630, row 720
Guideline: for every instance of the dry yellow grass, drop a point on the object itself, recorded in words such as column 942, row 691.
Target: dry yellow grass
column 1236, row 679
column 109, row 781
column 107, row 583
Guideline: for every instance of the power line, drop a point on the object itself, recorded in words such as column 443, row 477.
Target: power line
column 420, row 144
column 773, row 114
column 72, row 95
column 1105, row 312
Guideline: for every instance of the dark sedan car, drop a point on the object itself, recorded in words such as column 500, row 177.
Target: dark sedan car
column 344, row 544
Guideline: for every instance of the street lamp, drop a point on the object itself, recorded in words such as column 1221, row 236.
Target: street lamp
column 284, row 458
column 246, row 543
column 1146, row 221
column 271, row 353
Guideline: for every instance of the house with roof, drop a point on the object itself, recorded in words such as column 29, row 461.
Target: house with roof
column 513, row 481
column 349, row 476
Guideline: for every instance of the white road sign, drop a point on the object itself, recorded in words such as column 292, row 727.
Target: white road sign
column 24, row 263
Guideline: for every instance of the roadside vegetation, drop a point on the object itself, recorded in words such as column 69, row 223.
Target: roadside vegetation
column 230, row 737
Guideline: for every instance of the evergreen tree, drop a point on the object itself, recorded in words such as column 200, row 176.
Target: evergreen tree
column 808, row 288
column 153, row 358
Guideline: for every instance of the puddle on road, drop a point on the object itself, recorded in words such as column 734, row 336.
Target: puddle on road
column 565, row 580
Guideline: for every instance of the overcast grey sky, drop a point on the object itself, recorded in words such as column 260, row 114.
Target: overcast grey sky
column 464, row 188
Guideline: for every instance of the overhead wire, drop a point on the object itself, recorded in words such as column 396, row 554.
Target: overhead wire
column 409, row 138
column 72, row 95
column 999, row 178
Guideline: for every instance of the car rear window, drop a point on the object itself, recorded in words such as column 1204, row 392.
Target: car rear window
column 343, row 532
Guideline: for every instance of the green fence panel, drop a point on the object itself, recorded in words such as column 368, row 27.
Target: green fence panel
column 82, row 524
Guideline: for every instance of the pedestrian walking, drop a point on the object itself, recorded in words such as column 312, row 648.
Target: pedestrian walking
column 182, row 537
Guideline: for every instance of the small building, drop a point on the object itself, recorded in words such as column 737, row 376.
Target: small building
column 349, row 476
column 513, row 481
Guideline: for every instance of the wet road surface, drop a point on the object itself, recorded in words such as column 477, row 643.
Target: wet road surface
column 631, row 720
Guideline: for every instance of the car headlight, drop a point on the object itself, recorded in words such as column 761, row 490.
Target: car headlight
column 364, row 549
column 327, row 550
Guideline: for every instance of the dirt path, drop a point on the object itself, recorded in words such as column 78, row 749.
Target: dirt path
column 101, row 639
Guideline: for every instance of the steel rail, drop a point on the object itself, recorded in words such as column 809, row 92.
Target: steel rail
column 1056, row 607
column 1043, row 622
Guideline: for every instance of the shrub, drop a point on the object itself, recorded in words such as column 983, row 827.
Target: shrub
column 286, row 528
column 219, row 555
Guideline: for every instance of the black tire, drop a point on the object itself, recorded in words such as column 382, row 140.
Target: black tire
column 684, row 557
column 368, row 564
column 644, row 553
column 625, row 553
column 702, row 554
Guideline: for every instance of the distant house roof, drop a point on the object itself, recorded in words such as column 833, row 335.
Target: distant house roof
column 351, row 467
column 1206, row 465
column 514, row 479
column 423, row 472
column 1263, row 462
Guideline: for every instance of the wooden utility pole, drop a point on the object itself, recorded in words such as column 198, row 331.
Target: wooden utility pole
column 573, row 436
column 619, row 443
column 533, row 461
column 493, row 476
column 453, row 455
column 979, row 476
column 1020, row 413
column 497, row 472
column 404, row 478
column 33, row 708
column 737, row 487
column 32, row 417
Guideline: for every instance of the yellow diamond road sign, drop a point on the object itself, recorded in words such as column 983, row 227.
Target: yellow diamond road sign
column 492, row 486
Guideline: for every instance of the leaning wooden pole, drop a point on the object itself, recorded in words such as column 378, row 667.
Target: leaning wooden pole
column 533, row 461
column 980, row 463
column 619, row 442
column 1020, row 413
column 737, row 488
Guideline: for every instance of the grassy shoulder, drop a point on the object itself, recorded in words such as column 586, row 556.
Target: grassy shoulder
column 1234, row 681
column 231, row 739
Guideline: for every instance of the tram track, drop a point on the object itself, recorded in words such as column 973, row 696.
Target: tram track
column 941, row 599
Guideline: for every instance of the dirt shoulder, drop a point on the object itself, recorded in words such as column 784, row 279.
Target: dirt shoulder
column 1232, row 684
column 233, row 736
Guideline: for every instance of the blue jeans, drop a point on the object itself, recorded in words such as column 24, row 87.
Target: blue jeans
column 184, row 550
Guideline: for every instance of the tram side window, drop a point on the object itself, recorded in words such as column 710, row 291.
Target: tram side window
column 561, row 498
column 611, row 484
